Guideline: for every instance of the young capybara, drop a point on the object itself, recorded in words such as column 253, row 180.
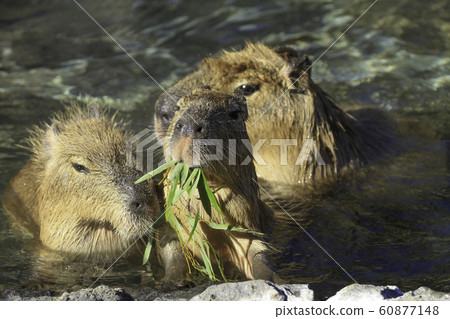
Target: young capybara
column 76, row 193
column 213, row 116
column 299, row 135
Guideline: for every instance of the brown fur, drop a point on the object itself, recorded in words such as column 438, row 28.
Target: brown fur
column 287, row 105
column 76, row 193
column 207, row 114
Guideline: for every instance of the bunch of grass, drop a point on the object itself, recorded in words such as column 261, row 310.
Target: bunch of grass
column 182, row 179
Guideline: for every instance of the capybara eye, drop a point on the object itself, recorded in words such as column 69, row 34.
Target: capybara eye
column 298, row 91
column 80, row 168
column 247, row 89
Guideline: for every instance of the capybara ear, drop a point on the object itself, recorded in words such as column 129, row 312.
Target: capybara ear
column 94, row 110
column 51, row 136
column 297, row 65
column 302, row 66
column 286, row 53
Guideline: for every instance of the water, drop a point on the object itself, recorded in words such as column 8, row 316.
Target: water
column 391, row 225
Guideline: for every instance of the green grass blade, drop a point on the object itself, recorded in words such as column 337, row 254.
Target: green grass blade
column 178, row 195
column 197, row 173
column 232, row 228
column 159, row 221
column 219, row 263
column 169, row 216
column 173, row 222
column 211, row 197
column 188, row 183
column 184, row 174
column 194, row 225
column 175, row 174
column 172, row 191
column 147, row 251
column 204, row 251
column 204, row 197
column 155, row 171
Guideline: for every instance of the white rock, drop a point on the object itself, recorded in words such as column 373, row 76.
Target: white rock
column 358, row 292
column 425, row 294
column 255, row 290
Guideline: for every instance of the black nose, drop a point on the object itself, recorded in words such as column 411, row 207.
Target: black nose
column 138, row 202
column 189, row 127
column 137, row 195
column 136, row 199
column 135, row 205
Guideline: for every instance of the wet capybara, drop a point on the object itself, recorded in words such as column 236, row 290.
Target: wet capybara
column 300, row 136
column 76, row 193
column 214, row 116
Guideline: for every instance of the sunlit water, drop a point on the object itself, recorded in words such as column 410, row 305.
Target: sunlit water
column 390, row 225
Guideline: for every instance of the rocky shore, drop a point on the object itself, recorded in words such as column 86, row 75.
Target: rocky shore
column 241, row 291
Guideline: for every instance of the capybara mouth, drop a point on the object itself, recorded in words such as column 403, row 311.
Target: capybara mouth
column 97, row 225
column 182, row 151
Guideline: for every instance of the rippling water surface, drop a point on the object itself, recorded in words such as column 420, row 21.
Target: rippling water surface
column 391, row 225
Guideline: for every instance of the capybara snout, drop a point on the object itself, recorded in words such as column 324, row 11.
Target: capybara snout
column 136, row 195
column 206, row 123
column 201, row 114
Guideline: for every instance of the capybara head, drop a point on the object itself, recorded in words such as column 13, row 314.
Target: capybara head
column 268, row 78
column 209, row 131
column 88, row 204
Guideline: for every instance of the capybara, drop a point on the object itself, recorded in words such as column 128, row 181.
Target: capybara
column 300, row 136
column 214, row 116
column 76, row 193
